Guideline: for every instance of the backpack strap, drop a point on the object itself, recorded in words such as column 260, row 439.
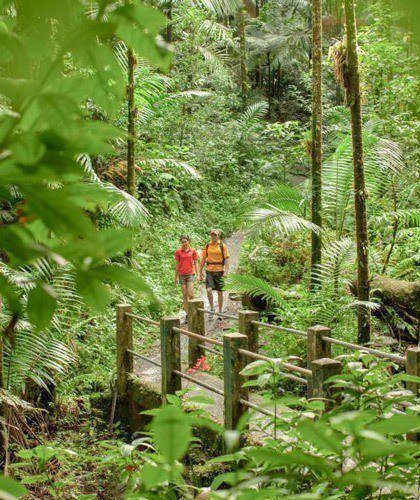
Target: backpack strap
column 223, row 253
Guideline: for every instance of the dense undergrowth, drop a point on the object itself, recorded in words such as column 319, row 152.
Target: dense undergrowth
column 204, row 159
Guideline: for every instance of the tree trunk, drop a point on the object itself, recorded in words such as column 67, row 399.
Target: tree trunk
column 242, row 57
column 362, row 242
column 316, row 145
column 169, row 29
column 269, row 83
column 131, row 124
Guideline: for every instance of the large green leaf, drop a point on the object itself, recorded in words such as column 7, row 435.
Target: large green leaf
column 123, row 277
column 41, row 305
column 172, row 433
column 57, row 211
column 275, row 459
column 397, row 424
column 94, row 293
column 321, row 436
column 10, row 489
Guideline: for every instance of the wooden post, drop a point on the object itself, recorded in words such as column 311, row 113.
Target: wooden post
column 233, row 363
column 322, row 370
column 246, row 327
column 412, row 357
column 124, row 342
column 196, row 324
column 317, row 348
column 170, row 349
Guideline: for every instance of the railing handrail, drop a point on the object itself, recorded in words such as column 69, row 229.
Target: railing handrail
column 143, row 319
column 197, row 336
column 350, row 345
column 343, row 343
column 356, row 347
column 237, row 349
column 283, row 364
column 219, row 314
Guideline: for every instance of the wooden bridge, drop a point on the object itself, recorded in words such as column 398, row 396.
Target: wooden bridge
column 181, row 348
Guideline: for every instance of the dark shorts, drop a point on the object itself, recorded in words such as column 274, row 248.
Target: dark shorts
column 186, row 278
column 215, row 281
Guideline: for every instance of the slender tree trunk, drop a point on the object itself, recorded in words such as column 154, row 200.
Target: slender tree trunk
column 131, row 124
column 242, row 56
column 169, row 29
column 269, row 83
column 355, row 105
column 316, row 145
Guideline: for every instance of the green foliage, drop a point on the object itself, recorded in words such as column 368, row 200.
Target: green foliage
column 49, row 196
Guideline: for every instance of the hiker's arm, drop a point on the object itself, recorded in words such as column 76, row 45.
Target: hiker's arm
column 176, row 273
column 226, row 269
column 202, row 263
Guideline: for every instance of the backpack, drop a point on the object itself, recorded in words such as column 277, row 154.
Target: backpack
column 222, row 251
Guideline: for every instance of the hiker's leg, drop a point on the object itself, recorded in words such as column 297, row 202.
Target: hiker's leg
column 210, row 297
column 209, row 288
column 190, row 289
column 184, row 296
column 220, row 300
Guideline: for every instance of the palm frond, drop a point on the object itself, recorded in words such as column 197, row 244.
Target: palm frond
column 247, row 284
column 253, row 113
column 34, row 356
column 126, row 209
column 283, row 211
column 383, row 159
column 282, row 222
column 217, row 63
column 220, row 8
column 336, row 255
column 406, row 217
column 171, row 162
column 217, row 32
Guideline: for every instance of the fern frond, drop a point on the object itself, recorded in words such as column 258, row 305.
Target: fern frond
column 243, row 283
column 254, row 112
column 35, row 357
column 282, row 222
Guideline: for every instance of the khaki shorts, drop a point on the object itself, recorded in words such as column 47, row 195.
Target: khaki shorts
column 186, row 278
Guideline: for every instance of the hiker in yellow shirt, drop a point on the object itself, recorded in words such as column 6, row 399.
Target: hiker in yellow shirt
column 215, row 257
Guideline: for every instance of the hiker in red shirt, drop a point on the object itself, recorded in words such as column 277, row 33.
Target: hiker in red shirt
column 186, row 269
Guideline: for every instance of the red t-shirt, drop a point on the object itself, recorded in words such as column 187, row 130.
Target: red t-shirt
column 186, row 261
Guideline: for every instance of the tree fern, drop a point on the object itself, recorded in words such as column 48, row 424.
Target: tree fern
column 284, row 212
column 383, row 159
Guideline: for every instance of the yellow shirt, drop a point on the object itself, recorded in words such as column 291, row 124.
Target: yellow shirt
column 213, row 256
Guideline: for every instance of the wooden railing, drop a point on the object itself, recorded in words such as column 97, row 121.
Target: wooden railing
column 237, row 350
